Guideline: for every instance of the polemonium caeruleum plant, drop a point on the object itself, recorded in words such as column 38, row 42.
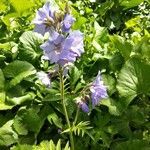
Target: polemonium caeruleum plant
column 62, row 48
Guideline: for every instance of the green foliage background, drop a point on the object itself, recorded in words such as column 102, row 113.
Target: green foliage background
column 117, row 42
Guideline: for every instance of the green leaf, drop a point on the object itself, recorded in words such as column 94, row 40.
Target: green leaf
column 19, row 126
column 112, row 106
column 5, row 106
column 122, row 45
column 53, row 95
column 110, row 83
column 3, row 7
column 132, row 145
column 104, row 7
column 8, row 46
column 130, row 3
column 142, row 47
column 20, row 100
column 7, row 135
column 23, row 5
column 100, row 35
column 75, row 79
column 58, row 146
column 116, row 62
column 50, row 145
column 133, row 22
column 2, row 85
column 53, row 118
column 32, row 120
column 10, row 20
column 134, row 79
column 80, row 21
column 75, row 75
column 22, row 147
column 80, row 128
column 29, row 49
column 18, row 70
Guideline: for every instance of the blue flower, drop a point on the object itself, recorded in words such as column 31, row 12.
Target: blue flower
column 44, row 19
column 53, row 47
column 72, row 48
column 61, row 50
column 83, row 105
column 67, row 22
column 44, row 78
column 98, row 90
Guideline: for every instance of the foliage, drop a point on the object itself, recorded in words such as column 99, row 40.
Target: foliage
column 116, row 39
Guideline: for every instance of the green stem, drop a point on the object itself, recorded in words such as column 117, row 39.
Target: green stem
column 64, row 106
column 76, row 117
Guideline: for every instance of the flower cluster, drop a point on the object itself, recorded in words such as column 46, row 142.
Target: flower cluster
column 63, row 46
column 97, row 92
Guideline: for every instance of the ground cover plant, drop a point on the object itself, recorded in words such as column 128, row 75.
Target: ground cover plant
column 74, row 75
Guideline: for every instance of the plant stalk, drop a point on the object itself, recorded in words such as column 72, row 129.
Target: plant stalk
column 64, row 106
column 76, row 117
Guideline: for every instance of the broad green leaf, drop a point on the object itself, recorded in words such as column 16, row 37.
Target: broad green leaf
column 142, row 47
column 3, row 7
column 135, row 144
column 116, row 62
column 10, row 20
column 104, row 7
column 134, row 79
column 100, row 35
column 112, row 106
column 4, row 106
column 20, row 100
column 133, row 22
column 17, row 71
column 7, row 135
column 19, row 126
column 123, row 46
column 22, row 5
column 53, row 95
column 80, row 21
column 29, row 49
column 32, row 120
column 7, row 46
column 130, row 3
column 110, row 83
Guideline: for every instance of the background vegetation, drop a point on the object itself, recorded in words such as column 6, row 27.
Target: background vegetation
column 117, row 42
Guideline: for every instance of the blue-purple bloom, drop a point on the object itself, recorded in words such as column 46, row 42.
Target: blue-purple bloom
column 53, row 47
column 44, row 19
column 61, row 50
column 72, row 48
column 67, row 22
column 98, row 90
column 44, row 78
column 83, row 105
